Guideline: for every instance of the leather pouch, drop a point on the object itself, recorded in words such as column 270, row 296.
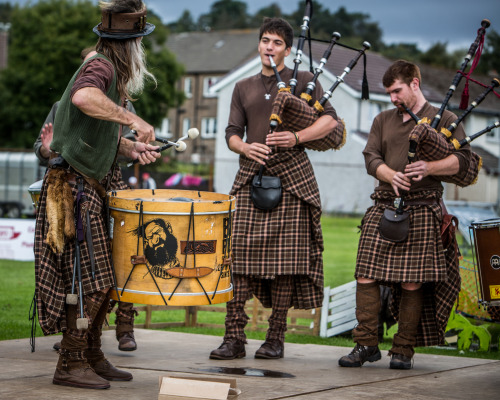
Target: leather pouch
column 394, row 226
column 266, row 191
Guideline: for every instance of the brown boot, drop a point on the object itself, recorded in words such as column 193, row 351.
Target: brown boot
column 271, row 349
column 72, row 368
column 410, row 310
column 229, row 350
column 366, row 332
column 97, row 306
column 77, row 373
column 125, row 315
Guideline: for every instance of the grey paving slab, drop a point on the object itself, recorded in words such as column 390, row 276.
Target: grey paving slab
column 306, row 372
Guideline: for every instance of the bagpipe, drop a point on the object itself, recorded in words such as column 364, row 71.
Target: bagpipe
column 427, row 144
column 293, row 113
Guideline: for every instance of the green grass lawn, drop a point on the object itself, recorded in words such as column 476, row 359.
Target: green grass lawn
column 341, row 240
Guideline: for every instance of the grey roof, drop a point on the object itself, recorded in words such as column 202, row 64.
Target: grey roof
column 213, row 52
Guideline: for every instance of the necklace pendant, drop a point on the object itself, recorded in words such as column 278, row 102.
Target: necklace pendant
column 267, row 96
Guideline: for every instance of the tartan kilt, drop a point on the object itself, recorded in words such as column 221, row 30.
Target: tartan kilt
column 284, row 241
column 421, row 259
column 54, row 272
column 294, row 114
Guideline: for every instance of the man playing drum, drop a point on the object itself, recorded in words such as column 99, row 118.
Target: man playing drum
column 277, row 254
column 423, row 275
column 85, row 142
column 125, row 312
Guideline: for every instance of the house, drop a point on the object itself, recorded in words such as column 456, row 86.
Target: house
column 344, row 185
column 207, row 57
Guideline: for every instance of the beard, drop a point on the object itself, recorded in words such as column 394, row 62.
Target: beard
column 139, row 69
column 163, row 253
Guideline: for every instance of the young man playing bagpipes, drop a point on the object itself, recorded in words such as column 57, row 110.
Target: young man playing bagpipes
column 277, row 253
column 401, row 244
column 85, row 142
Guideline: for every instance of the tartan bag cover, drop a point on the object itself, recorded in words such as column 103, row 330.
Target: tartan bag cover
column 432, row 146
column 294, row 114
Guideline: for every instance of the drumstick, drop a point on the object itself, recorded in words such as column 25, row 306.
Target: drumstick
column 180, row 145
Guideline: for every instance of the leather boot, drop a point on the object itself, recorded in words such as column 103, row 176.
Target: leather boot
column 410, row 310
column 77, row 373
column 72, row 368
column 125, row 315
column 271, row 349
column 229, row 350
column 97, row 311
column 366, row 332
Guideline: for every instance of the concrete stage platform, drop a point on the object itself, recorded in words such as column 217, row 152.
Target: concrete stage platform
column 306, row 372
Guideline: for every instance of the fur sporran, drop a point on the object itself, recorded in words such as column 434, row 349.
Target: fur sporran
column 266, row 191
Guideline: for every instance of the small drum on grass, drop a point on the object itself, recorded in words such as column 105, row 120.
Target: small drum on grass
column 486, row 238
column 171, row 247
column 34, row 190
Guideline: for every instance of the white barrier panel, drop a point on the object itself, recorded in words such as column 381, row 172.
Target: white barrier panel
column 16, row 239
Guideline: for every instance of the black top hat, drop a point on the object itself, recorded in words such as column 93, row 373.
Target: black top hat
column 123, row 25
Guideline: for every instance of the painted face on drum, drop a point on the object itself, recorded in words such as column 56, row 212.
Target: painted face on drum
column 160, row 244
column 272, row 45
column 402, row 93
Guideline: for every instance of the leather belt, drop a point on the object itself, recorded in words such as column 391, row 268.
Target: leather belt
column 57, row 161
column 416, row 202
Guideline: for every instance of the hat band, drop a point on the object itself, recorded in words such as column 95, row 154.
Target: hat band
column 123, row 22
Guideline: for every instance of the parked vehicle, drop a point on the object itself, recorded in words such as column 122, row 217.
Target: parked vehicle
column 18, row 171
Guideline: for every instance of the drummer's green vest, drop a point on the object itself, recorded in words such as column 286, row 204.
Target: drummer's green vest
column 88, row 144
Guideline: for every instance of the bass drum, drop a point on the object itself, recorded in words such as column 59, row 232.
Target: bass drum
column 486, row 238
column 171, row 247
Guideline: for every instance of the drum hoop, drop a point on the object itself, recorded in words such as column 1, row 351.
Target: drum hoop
column 487, row 223
column 168, row 212
column 132, row 291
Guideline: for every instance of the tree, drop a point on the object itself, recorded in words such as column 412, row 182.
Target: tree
column 490, row 59
column 437, row 56
column 44, row 52
column 225, row 14
column 405, row 51
column 273, row 10
column 184, row 24
column 5, row 11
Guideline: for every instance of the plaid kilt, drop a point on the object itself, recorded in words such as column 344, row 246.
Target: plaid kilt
column 294, row 114
column 286, row 240
column 435, row 146
column 421, row 258
column 54, row 272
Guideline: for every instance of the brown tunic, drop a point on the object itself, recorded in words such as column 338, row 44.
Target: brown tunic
column 288, row 239
column 422, row 257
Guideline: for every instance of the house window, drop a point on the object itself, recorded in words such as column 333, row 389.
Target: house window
column 164, row 131
column 188, row 87
column 208, row 128
column 208, row 82
column 186, row 125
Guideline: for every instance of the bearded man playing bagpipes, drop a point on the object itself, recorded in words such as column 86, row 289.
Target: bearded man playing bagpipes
column 277, row 249
column 401, row 244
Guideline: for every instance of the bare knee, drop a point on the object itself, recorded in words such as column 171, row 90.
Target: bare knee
column 365, row 280
column 411, row 286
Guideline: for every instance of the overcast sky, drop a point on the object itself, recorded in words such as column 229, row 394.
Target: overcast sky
column 424, row 22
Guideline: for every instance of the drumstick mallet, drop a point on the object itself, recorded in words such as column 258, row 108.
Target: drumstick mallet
column 180, row 145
